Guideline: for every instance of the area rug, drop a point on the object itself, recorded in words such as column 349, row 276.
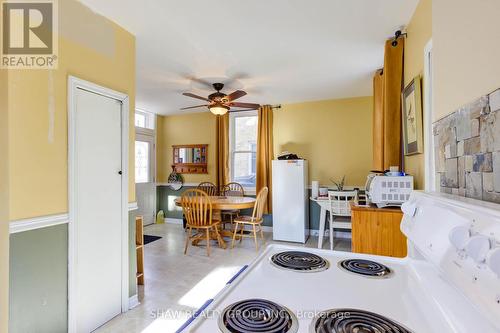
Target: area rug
column 149, row 238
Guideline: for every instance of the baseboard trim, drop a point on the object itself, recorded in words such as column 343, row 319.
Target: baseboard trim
column 315, row 232
column 170, row 220
column 310, row 232
column 267, row 229
column 37, row 222
column 336, row 234
column 133, row 301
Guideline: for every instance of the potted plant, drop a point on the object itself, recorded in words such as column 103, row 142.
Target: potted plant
column 339, row 185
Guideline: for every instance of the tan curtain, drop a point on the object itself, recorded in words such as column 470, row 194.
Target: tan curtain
column 222, row 150
column 387, row 108
column 265, row 152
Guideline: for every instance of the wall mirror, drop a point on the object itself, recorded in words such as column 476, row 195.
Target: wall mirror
column 190, row 158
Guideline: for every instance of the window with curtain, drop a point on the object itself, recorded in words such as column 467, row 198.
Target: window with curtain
column 243, row 148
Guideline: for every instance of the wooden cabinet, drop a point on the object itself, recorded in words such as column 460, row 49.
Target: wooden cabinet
column 377, row 231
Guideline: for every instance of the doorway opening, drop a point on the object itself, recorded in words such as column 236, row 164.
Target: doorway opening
column 145, row 165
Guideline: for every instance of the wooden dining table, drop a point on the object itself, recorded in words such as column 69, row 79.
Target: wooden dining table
column 227, row 203
column 221, row 203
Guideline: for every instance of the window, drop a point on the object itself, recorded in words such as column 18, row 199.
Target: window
column 141, row 162
column 144, row 119
column 140, row 119
column 243, row 148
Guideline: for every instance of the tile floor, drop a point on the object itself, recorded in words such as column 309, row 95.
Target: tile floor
column 176, row 285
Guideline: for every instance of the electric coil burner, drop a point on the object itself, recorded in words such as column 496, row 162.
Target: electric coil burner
column 299, row 261
column 354, row 321
column 365, row 267
column 257, row 315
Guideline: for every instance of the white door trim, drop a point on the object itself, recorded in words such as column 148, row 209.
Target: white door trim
column 73, row 85
column 429, row 166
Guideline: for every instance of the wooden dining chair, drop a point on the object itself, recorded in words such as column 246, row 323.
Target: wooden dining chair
column 197, row 209
column 231, row 190
column 209, row 188
column 255, row 220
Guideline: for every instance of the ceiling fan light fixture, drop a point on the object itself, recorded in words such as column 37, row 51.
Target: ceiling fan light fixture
column 218, row 109
column 219, row 103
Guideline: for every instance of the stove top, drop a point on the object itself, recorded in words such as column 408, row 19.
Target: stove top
column 448, row 283
column 299, row 261
column 365, row 267
column 257, row 315
column 354, row 321
column 408, row 297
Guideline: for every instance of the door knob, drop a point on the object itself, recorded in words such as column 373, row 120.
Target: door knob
column 120, row 172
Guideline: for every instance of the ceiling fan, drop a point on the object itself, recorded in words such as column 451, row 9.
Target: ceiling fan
column 220, row 103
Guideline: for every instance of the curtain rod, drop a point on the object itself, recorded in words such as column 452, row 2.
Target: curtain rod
column 397, row 34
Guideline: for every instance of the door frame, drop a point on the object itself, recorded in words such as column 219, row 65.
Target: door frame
column 151, row 133
column 74, row 84
column 429, row 163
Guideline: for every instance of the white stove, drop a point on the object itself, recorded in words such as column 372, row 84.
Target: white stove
column 448, row 283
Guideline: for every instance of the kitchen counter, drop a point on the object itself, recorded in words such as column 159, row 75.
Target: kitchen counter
column 373, row 208
column 377, row 231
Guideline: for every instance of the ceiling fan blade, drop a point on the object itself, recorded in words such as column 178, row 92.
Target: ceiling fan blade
column 196, row 96
column 245, row 105
column 194, row 107
column 202, row 82
column 235, row 95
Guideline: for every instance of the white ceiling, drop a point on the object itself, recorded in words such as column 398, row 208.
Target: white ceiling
column 279, row 51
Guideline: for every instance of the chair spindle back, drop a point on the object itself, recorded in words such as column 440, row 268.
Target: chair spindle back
column 260, row 204
column 339, row 202
column 209, row 188
column 233, row 190
column 197, row 208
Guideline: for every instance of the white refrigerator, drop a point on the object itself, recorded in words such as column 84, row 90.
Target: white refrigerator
column 290, row 201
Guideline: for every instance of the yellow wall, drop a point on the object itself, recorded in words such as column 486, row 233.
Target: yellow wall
column 335, row 136
column 4, row 206
column 419, row 33
column 92, row 48
column 466, row 52
column 190, row 128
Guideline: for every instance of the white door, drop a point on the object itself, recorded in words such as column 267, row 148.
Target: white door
column 144, row 177
column 98, row 214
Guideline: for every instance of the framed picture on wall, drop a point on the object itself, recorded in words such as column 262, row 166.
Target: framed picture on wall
column 412, row 117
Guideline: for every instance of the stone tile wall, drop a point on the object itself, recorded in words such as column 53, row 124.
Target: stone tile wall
column 467, row 150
